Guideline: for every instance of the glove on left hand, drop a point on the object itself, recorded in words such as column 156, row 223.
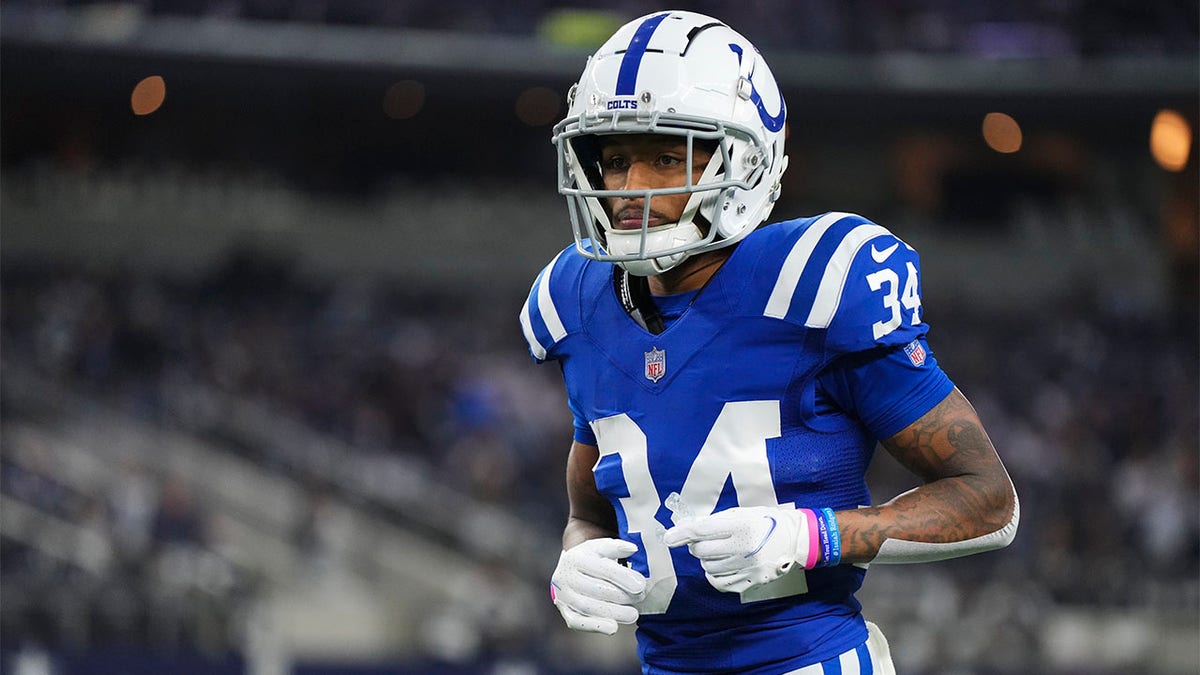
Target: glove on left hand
column 747, row 546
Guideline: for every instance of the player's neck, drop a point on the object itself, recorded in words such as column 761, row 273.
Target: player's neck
column 689, row 275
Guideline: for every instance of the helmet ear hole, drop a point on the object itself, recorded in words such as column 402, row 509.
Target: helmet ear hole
column 728, row 226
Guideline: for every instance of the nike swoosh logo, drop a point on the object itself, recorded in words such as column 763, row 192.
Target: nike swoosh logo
column 880, row 256
column 765, row 538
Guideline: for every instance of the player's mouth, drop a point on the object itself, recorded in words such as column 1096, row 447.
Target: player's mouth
column 631, row 219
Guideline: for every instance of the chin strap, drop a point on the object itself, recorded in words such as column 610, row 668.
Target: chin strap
column 634, row 293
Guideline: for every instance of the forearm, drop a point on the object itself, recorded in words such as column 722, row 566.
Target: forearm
column 591, row 515
column 579, row 530
column 967, row 496
column 978, row 510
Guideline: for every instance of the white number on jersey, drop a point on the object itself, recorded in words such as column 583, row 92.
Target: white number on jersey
column 736, row 448
column 911, row 300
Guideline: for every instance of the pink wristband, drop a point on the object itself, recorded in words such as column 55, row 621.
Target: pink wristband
column 814, row 539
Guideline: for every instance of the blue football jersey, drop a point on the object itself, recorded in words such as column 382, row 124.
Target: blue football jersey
column 770, row 389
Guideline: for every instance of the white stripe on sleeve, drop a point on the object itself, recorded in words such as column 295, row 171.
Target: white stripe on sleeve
column 793, row 265
column 546, row 304
column 833, row 282
column 548, row 312
column 535, row 347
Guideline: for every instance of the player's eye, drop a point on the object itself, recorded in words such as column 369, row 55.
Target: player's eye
column 669, row 160
column 614, row 163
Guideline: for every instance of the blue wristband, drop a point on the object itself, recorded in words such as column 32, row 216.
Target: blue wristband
column 831, row 538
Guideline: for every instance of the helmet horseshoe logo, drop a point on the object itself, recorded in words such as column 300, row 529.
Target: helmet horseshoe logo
column 772, row 123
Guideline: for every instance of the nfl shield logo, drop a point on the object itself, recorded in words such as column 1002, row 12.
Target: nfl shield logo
column 916, row 353
column 656, row 364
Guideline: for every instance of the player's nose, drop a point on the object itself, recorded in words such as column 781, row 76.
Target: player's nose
column 640, row 176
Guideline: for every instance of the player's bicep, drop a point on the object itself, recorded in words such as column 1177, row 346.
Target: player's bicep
column 586, row 502
column 949, row 440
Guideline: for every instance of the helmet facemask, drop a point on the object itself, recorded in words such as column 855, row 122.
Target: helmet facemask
column 704, row 224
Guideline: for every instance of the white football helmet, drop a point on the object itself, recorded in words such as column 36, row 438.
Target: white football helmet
column 683, row 74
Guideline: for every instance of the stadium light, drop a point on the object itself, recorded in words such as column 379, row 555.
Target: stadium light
column 1170, row 140
column 148, row 95
column 1001, row 132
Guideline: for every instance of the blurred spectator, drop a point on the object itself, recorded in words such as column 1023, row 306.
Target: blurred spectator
column 177, row 521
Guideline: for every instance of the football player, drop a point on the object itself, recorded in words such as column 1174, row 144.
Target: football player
column 730, row 380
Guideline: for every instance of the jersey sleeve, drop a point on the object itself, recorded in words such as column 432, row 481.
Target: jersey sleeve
column 869, row 301
column 583, row 430
column 549, row 313
column 860, row 285
column 870, row 295
column 887, row 388
column 850, row 278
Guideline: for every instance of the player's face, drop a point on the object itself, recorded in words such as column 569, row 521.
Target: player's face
column 642, row 161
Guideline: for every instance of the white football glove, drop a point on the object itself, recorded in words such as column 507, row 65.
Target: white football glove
column 747, row 546
column 592, row 590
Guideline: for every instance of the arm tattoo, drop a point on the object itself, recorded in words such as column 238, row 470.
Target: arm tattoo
column 966, row 491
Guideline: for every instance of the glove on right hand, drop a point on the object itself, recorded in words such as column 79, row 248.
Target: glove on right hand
column 592, row 590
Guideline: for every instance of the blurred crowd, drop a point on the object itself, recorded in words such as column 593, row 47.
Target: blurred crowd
column 1029, row 28
column 431, row 376
column 1091, row 402
column 143, row 572
column 424, row 373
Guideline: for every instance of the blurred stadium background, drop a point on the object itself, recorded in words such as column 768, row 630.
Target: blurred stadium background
column 266, row 407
